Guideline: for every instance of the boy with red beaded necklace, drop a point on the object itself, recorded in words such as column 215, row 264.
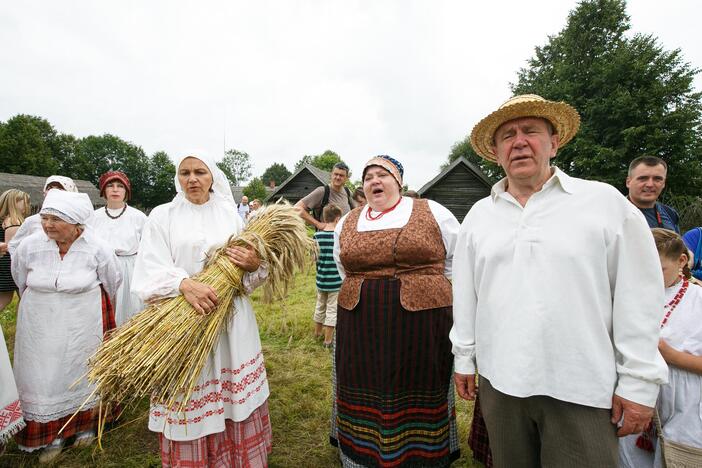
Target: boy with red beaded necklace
column 681, row 347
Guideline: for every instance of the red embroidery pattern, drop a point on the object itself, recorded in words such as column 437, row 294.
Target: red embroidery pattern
column 10, row 414
column 217, row 396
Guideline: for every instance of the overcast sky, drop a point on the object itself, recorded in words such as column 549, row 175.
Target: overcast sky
column 280, row 79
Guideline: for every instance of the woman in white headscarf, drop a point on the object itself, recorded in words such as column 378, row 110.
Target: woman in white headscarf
column 226, row 421
column 59, row 272
column 32, row 223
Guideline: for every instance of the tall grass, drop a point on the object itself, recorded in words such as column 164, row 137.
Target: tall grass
column 299, row 371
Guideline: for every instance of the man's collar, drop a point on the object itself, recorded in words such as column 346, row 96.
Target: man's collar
column 559, row 178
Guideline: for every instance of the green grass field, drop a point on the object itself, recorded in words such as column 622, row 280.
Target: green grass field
column 299, row 373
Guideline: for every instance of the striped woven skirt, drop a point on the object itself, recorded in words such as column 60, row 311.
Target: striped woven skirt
column 394, row 371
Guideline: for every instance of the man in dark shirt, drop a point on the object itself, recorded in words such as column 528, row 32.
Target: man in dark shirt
column 646, row 181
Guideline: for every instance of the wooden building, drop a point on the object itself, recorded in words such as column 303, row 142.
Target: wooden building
column 457, row 187
column 300, row 184
column 34, row 186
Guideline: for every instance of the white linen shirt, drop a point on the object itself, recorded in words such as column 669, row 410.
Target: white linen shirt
column 88, row 263
column 122, row 234
column 561, row 297
column 399, row 217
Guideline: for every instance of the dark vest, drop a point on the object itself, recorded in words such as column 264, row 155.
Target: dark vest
column 414, row 254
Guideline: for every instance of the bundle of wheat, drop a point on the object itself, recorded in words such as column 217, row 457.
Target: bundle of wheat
column 161, row 351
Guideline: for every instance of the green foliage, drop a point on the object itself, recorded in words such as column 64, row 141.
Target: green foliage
column 634, row 98
column 161, row 187
column 256, row 189
column 324, row 161
column 236, row 165
column 276, row 172
column 26, row 146
column 99, row 154
column 463, row 148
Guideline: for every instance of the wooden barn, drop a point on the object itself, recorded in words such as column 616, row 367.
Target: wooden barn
column 301, row 183
column 457, row 187
column 34, row 186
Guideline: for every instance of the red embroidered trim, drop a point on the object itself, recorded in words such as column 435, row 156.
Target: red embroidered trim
column 670, row 307
column 10, row 414
column 217, row 396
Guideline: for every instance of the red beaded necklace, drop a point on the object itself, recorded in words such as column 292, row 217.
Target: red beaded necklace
column 370, row 217
column 670, row 307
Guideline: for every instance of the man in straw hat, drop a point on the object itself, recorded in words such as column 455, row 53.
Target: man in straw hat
column 557, row 300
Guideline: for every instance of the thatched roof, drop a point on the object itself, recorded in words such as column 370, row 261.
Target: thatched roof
column 34, row 186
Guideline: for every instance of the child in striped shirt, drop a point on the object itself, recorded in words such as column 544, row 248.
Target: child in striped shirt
column 328, row 279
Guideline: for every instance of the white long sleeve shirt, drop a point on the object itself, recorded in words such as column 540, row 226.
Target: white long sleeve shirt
column 88, row 263
column 561, row 297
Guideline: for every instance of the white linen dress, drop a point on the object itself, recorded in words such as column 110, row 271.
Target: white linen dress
column 123, row 235
column 680, row 400
column 59, row 321
column 176, row 239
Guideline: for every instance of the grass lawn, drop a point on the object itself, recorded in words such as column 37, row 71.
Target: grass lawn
column 299, row 371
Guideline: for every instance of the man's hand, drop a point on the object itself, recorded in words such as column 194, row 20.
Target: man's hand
column 636, row 416
column 465, row 385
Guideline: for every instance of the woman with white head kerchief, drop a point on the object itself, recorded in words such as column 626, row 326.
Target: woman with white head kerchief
column 120, row 226
column 60, row 321
column 32, row 224
column 226, row 421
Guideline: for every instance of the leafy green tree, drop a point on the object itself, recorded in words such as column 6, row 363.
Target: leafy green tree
column 108, row 152
column 236, row 165
column 26, row 146
column 161, row 177
column 256, row 189
column 463, row 148
column 324, row 161
column 276, row 172
column 634, row 97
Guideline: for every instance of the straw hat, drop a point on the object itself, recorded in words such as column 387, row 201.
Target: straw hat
column 564, row 117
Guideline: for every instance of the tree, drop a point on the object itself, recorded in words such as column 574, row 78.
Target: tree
column 324, row 161
column 108, row 152
column 161, row 177
column 276, row 172
column 463, row 148
column 256, row 189
column 236, row 165
column 634, row 98
column 26, row 146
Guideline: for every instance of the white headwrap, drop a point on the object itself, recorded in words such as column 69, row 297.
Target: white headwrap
column 66, row 182
column 72, row 207
column 220, row 183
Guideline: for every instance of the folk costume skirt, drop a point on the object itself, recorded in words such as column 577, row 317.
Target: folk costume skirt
column 394, row 404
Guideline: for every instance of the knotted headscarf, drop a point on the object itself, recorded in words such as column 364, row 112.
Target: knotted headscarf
column 71, row 207
column 65, row 182
column 388, row 163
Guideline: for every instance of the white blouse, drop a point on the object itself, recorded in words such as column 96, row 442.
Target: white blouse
column 88, row 263
column 122, row 234
column 399, row 217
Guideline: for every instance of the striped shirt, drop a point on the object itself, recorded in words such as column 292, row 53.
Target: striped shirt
column 328, row 278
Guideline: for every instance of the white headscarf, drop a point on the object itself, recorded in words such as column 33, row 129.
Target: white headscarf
column 66, row 182
column 72, row 207
column 220, row 183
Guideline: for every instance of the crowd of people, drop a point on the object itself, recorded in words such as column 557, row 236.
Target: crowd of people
column 568, row 312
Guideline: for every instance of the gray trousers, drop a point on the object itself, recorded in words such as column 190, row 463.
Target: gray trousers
column 543, row 431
